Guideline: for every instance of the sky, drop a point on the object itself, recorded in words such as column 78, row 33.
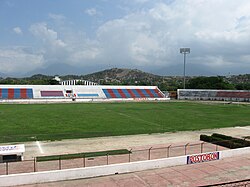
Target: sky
column 84, row 36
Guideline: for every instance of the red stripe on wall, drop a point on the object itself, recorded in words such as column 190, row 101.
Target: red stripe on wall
column 121, row 93
column 158, row 93
column 131, row 93
column 23, row 93
column 233, row 94
column 0, row 92
column 11, row 93
column 110, row 91
column 149, row 93
column 140, row 93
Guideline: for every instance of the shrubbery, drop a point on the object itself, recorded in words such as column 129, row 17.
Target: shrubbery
column 225, row 141
column 235, row 140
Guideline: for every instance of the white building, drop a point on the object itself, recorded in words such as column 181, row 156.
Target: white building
column 78, row 82
column 11, row 153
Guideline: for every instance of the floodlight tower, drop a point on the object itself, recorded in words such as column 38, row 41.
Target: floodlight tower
column 184, row 51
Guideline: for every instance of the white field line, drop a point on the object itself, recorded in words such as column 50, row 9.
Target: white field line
column 246, row 128
column 39, row 146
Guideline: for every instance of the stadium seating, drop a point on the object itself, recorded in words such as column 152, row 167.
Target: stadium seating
column 16, row 93
column 80, row 92
column 132, row 93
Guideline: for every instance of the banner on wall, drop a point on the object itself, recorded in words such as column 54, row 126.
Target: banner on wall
column 12, row 149
column 203, row 157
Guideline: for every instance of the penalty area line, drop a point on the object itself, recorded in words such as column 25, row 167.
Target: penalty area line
column 39, row 146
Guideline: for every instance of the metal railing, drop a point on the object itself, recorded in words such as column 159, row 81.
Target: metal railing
column 150, row 153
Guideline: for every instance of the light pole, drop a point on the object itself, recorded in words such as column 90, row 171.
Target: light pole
column 184, row 51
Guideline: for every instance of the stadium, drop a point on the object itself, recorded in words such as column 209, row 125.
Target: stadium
column 67, row 92
column 80, row 93
column 98, row 126
column 124, row 93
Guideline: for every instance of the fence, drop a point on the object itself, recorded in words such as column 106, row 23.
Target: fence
column 151, row 153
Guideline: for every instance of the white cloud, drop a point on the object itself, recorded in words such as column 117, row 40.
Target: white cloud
column 91, row 11
column 46, row 34
column 136, row 39
column 213, row 29
column 18, row 30
column 74, row 49
column 216, row 61
column 88, row 54
column 19, row 60
column 217, row 31
column 145, row 48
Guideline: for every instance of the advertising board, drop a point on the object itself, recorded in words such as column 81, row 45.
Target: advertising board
column 203, row 157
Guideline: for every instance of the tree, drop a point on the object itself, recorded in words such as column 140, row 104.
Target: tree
column 209, row 83
column 243, row 86
column 53, row 82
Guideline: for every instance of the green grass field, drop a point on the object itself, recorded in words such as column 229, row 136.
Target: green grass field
column 82, row 155
column 27, row 122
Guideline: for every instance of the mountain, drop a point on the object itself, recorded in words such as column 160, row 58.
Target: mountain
column 2, row 75
column 191, row 70
column 121, row 75
column 137, row 77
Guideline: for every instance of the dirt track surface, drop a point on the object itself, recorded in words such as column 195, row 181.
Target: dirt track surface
column 124, row 142
column 214, row 172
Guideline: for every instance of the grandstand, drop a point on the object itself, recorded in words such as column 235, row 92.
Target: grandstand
column 82, row 92
column 216, row 95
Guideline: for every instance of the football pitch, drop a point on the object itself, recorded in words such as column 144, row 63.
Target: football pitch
column 29, row 122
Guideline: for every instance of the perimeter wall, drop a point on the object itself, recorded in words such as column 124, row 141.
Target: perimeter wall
column 216, row 95
column 69, row 174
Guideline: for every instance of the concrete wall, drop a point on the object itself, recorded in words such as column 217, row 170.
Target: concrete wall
column 219, row 95
column 58, row 175
column 235, row 152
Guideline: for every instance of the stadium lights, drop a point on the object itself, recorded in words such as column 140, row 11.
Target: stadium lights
column 184, row 51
